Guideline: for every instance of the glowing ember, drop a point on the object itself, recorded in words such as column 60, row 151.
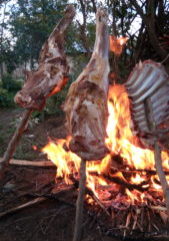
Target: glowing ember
column 122, row 142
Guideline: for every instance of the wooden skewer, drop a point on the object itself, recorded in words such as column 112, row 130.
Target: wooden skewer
column 80, row 201
column 13, row 142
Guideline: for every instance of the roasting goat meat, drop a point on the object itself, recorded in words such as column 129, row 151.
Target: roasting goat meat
column 148, row 87
column 86, row 102
column 52, row 72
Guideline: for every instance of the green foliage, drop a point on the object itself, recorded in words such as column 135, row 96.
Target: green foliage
column 8, row 89
column 31, row 23
column 6, row 98
column 9, row 84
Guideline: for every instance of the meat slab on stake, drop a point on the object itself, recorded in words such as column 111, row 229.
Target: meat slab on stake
column 86, row 102
column 148, row 88
column 87, row 112
column 47, row 80
column 52, row 73
column 132, row 193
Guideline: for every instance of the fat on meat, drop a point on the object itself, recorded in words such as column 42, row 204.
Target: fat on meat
column 52, row 72
column 86, row 103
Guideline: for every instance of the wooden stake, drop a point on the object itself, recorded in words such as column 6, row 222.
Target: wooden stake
column 157, row 154
column 79, row 203
column 13, row 142
column 161, row 174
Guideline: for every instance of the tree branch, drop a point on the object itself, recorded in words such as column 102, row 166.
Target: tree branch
column 149, row 23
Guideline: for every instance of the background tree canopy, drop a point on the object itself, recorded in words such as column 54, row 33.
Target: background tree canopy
column 26, row 24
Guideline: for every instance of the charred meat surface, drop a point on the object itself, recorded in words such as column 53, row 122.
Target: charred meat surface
column 86, row 102
column 52, row 72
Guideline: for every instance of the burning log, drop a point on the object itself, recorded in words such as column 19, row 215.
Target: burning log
column 47, row 80
column 148, row 88
column 87, row 112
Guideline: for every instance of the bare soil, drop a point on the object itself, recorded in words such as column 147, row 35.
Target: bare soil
column 52, row 219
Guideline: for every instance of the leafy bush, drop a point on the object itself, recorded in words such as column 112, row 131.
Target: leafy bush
column 10, row 84
column 6, row 98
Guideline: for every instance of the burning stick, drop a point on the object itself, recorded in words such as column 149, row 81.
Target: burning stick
column 47, row 80
column 86, row 109
column 148, row 89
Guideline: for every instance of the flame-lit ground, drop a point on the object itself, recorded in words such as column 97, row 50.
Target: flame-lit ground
column 127, row 175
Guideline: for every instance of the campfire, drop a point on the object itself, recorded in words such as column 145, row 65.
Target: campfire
column 126, row 178
column 119, row 168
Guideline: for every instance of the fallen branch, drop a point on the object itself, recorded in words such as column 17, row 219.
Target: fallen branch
column 132, row 171
column 122, row 181
column 22, row 206
column 90, row 193
column 93, row 196
column 38, row 199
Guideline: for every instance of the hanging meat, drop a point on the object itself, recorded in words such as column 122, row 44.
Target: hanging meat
column 52, row 72
column 86, row 102
column 148, row 89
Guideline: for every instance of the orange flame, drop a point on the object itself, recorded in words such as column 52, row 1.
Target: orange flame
column 121, row 141
column 117, row 44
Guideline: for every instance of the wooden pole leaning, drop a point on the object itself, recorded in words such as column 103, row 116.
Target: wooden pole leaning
column 13, row 142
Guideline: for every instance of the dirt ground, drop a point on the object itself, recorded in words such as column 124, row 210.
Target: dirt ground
column 52, row 219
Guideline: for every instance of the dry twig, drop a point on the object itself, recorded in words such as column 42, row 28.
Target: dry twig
column 22, row 206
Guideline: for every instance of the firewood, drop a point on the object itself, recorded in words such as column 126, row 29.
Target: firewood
column 31, row 163
column 22, row 206
column 150, row 172
column 90, row 193
column 121, row 181
column 36, row 200
column 93, row 196
column 159, row 208
column 128, row 220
